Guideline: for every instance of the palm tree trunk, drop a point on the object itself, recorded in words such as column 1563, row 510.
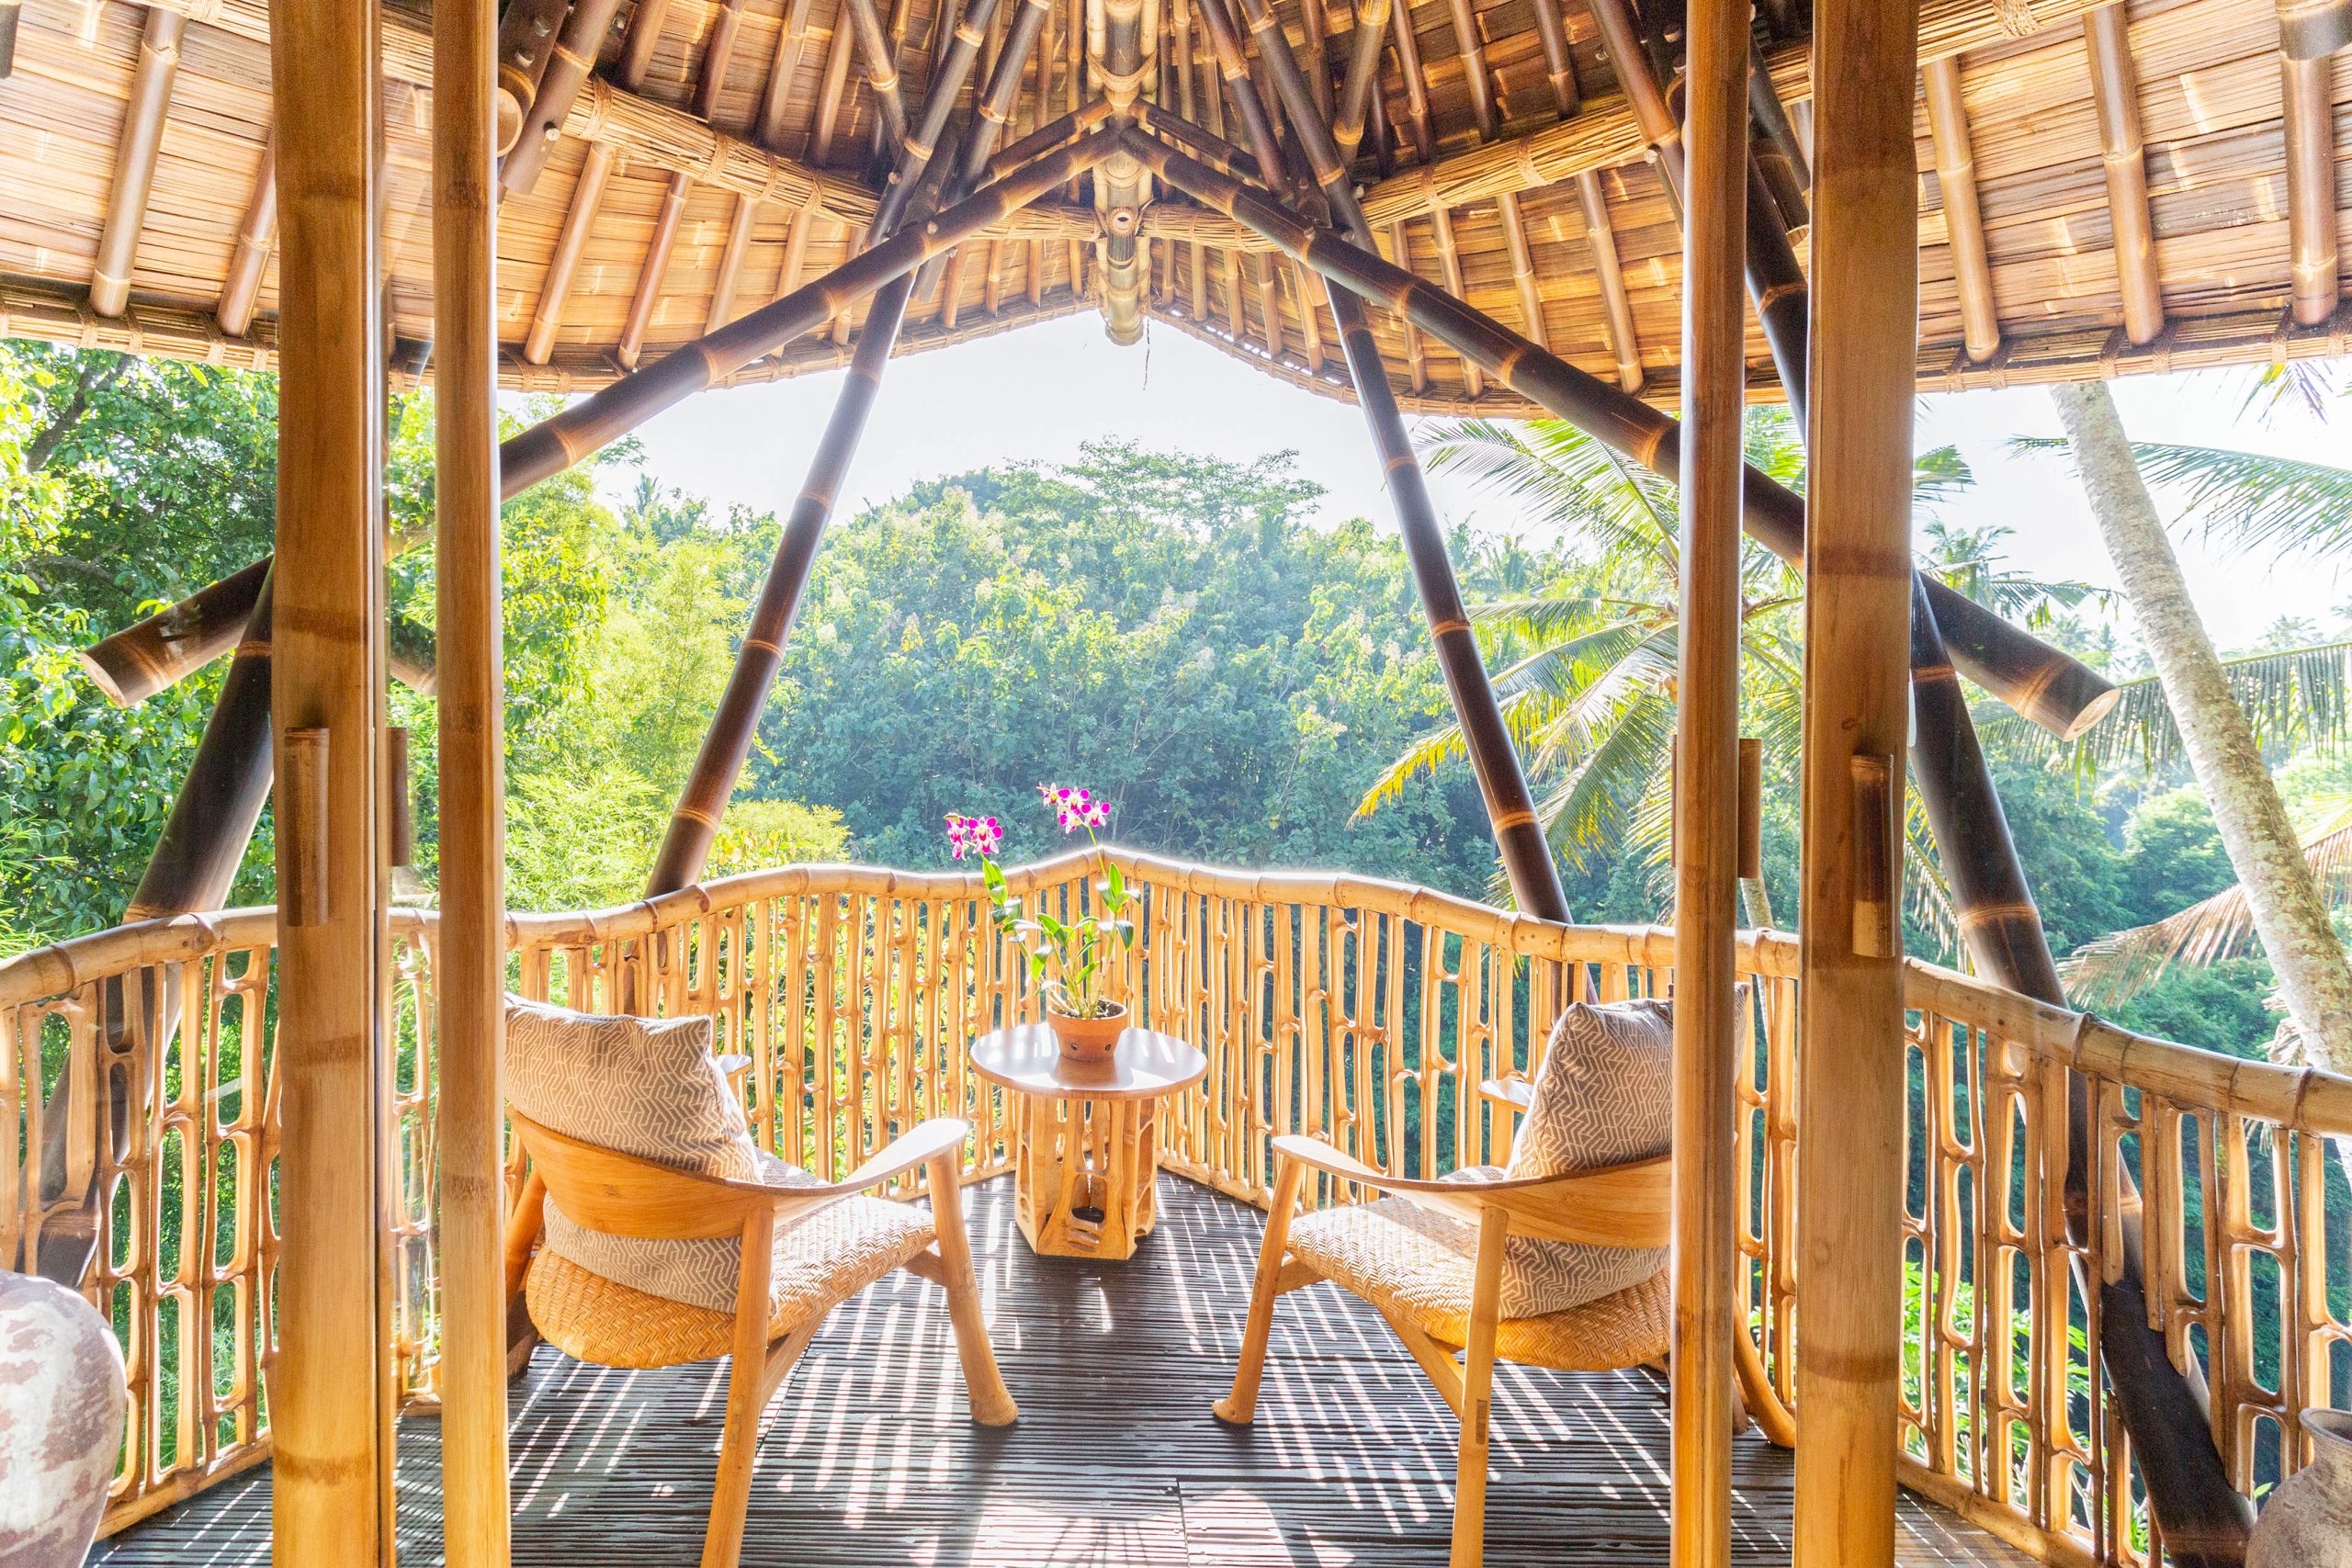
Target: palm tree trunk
column 2289, row 913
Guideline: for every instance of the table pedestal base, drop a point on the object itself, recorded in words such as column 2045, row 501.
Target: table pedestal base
column 1087, row 1175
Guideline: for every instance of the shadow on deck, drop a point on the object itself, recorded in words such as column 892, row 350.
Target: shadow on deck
column 868, row 1457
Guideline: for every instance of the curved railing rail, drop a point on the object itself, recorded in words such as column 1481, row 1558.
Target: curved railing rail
column 138, row 1082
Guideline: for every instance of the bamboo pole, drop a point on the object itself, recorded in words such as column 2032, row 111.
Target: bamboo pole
column 644, row 34
column 776, row 99
column 1359, row 87
column 256, row 237
column 203, row 843
column 2038, row 682
column 2313, row 250
column 330, row 1408
column 1616, row 303
column 1859, row 582
column 134, row 160
column 10, row 12
column 526, row 31
column 649, row 277
column 571, row 58
column 1510, row 806
column 1963, row 221
column 2115, row 91
column 685, row 847
column 1707, row 804
column 557, row 442
column 469, row 959
column 579, row 221
column 739, row 230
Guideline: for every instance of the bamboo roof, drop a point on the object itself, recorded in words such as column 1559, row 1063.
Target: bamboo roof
column 2039, row 142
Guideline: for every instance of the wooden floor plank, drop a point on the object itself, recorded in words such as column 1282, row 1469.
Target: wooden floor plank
column 868, row 1457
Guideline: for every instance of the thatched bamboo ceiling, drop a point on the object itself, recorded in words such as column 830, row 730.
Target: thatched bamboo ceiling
column 2185, row 131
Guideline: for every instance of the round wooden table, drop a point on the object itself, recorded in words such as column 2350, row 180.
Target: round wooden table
column 1086, row 1150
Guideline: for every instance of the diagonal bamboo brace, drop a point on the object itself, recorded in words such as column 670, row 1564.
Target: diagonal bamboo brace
column 2057, row 692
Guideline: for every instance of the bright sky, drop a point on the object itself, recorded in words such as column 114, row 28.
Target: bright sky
column 1042, row 392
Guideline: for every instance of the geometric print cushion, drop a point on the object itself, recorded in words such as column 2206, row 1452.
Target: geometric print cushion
column 649, row 1087
column 1603, row 1095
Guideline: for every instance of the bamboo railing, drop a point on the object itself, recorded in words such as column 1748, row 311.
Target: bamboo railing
column 1372, row 1014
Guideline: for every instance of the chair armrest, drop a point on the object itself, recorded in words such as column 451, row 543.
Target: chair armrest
column 1628, row 1205
column 902, row 1154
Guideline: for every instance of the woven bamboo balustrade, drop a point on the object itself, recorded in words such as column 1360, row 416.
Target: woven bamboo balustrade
column 1371, row 1014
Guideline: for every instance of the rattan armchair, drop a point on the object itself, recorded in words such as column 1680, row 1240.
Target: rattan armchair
column 805, row 1249
column 1443, row 1305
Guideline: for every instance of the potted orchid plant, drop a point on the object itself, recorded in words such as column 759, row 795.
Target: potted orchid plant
column 1069, row 961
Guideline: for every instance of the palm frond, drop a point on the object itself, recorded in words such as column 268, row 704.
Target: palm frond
column 2302, row 696
column 1623, row 511
column 1584, row 819
column 2250, row 499
column 2114, row 969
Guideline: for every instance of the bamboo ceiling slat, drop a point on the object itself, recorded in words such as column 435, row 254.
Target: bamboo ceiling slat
column 2208, row 100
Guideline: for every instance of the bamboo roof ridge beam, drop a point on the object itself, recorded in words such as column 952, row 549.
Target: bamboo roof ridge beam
column 571, row 58
column 1964, row 220
column 2045, row 685
column 546, row 318
column 134, row 163
column 2314, row 253
column 2115, row 90
column 256, row 238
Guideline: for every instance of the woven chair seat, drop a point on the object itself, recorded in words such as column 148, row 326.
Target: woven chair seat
column 820, row 1262
column 1418, row 1266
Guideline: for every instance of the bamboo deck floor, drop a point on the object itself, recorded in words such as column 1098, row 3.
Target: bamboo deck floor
column 868, row 1456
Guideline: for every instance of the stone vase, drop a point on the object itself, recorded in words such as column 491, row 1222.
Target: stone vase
column 2307, row 1522
column 62, row 1404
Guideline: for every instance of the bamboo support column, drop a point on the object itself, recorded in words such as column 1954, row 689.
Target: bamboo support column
column 1857, row 678
column 331, row 1406
column 469, row 960
column 1707, row 788
column 134, row 163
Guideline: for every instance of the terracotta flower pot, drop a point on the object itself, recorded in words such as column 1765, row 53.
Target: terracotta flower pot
column 1087, row 1039
column 2307, row 1522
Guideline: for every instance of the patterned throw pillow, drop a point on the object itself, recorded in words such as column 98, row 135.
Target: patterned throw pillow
column 644, row 1087
column 1603, row 1095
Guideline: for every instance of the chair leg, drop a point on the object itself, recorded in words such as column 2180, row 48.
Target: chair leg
column 992, row 1402
column 1241, row 1406
column 730, row 1496
column 1477, row 1393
